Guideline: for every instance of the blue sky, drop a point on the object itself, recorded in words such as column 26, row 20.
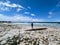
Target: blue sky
column 30, row 10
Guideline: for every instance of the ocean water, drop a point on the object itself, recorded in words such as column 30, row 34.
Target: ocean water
column 40, row 24
column 47, row 24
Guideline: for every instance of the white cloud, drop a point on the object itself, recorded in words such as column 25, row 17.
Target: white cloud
column 50, row 13
column 18, row 18
column 19, row 9
column 8, row 4
column 35, row 20
column 32, row 14
column 5, row 6
column 29, row 7
column 58, row 4
column 26, row 12
column 49, row 16
column 57, row 20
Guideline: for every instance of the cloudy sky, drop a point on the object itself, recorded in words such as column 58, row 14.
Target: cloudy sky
column 30, row 10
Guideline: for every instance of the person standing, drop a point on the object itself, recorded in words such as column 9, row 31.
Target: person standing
column 32, row 25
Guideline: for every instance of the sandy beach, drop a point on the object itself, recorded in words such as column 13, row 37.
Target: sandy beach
column 25, row 35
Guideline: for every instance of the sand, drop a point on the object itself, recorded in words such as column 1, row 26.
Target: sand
column 48, row 36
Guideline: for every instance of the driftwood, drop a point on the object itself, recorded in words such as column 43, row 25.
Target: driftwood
column 36, row 29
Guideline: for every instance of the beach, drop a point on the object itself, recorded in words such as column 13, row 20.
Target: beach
column 23, row 34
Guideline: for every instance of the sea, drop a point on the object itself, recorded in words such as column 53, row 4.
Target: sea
column 40, row 24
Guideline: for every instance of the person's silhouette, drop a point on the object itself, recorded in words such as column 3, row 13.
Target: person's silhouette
column 32, row 25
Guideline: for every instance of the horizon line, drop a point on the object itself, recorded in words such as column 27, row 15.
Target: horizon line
column 25, row 22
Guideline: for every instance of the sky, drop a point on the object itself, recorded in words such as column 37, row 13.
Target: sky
column 30, row 10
